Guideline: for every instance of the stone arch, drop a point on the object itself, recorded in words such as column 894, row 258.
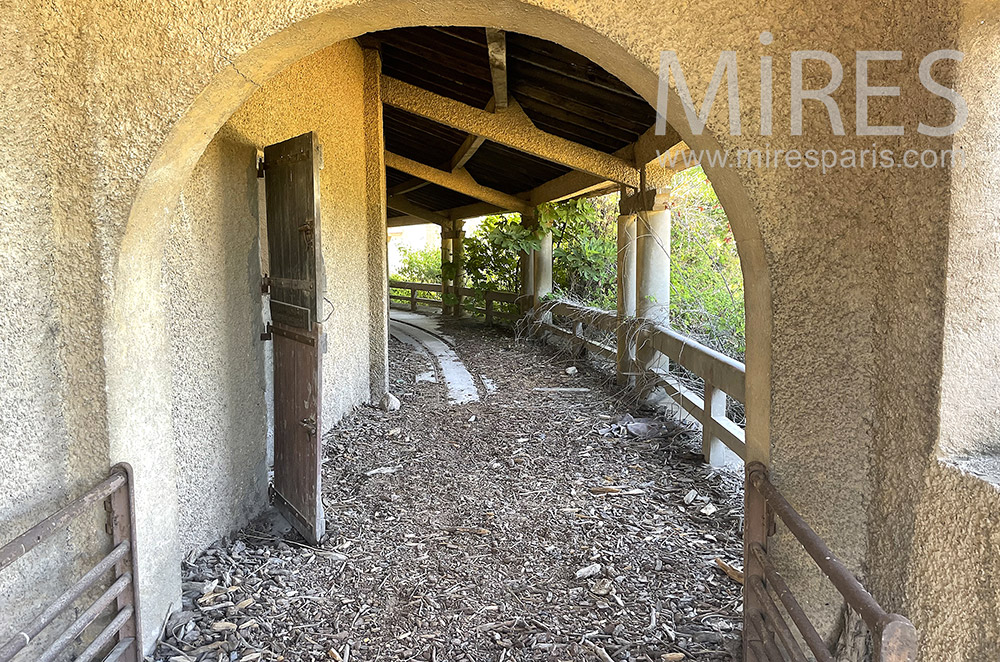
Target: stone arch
column 136, row 328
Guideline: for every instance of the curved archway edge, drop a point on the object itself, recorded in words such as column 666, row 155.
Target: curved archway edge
column 135, row 328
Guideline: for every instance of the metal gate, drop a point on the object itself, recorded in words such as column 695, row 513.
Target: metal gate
column 117, row 607
column 291, row 180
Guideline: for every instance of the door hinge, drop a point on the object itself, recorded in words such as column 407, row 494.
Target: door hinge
column 267, row 335
column 265, row 285
column 261, row 166
column 309, row 424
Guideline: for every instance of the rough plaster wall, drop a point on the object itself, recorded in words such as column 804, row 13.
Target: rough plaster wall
column 52, row 444
column 956, row 579
column 325, row 94
column 970, row 388
column 378, row 257
column 854, row 266
column 212, row 280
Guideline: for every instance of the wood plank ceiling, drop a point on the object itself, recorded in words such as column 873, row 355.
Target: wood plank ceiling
column 561, row 92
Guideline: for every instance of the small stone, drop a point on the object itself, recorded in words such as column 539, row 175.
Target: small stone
column 589, row 571
column 571, row 370
column 601, row 587
column 690, row 497
column 709, row 509
column 389, row 402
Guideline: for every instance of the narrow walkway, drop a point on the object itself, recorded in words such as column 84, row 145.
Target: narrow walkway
column 545, row 521
column 422, row 332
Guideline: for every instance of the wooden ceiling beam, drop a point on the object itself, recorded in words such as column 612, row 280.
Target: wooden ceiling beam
column 511, row 128
column 409, row 185
column 459, row 180
column 401, row 204
column 404, row 221
column 575, row 184
column 472, row 143
column 496, row 43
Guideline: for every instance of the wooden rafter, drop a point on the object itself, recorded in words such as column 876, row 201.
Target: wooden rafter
column 401, row 204
column 496, row 42
column 409, row 185
column 461, row 156
column 459, row 180
column 511, row 128
column 403, row 221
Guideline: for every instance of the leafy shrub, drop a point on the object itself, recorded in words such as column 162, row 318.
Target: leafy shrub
column 706, row 281
column 584, row 249
column 420, row 265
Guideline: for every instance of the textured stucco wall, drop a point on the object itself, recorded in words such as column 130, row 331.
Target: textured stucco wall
column 954, row 590
column 212, row 278
column 846, row 271
column 325, row 94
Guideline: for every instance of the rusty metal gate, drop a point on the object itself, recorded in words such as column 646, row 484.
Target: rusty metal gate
column 770, row 604
column 291, row 181
column 119, row 638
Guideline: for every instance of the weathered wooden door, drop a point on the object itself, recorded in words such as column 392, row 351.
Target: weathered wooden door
column 291, row 182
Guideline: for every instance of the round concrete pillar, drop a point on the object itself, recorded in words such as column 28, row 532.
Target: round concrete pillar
column 626, row 297
column 542, row 270
column 652, row 266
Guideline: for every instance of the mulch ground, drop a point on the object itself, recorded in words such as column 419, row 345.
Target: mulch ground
column 532, row 525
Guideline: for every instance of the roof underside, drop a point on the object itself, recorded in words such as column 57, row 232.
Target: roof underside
column 563, row 93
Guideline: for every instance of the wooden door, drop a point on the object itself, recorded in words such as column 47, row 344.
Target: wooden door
column 291, row 182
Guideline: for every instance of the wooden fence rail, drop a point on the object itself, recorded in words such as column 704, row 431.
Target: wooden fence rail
column 635, row 338
column 488, row 310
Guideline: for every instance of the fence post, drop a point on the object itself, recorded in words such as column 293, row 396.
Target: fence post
column 413, row 299
column 581, row 349
column 489, row 308
column 122, row 522
column 754, row 533
column 458, row 259
column 713, row 449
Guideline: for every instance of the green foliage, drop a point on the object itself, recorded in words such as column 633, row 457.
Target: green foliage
column 584, row 249
column 420, row 265
column 492, row 251
column 706, row 282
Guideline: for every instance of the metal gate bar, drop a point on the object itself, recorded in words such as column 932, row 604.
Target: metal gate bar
column 893, row 636
column 116, row 493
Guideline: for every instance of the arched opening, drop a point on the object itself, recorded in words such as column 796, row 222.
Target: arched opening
column 138, row 332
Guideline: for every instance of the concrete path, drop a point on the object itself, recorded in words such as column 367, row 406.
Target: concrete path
column 423, row 333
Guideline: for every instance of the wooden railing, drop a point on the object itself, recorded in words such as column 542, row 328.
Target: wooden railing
column 489, row 310
column 767, row 636
column 636, row 340
column 120, row 637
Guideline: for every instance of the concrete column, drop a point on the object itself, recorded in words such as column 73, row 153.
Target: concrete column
column 652, row 266
column 526, row 267
column 446, row 247
column 378, row 258
column 542, row 271
column 626, row 296
column 652, row 272
column 458, row 257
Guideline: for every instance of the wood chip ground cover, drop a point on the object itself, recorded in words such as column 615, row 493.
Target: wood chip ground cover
column 531, row 525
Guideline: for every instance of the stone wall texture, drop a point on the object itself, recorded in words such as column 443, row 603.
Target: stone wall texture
column 871, row 358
